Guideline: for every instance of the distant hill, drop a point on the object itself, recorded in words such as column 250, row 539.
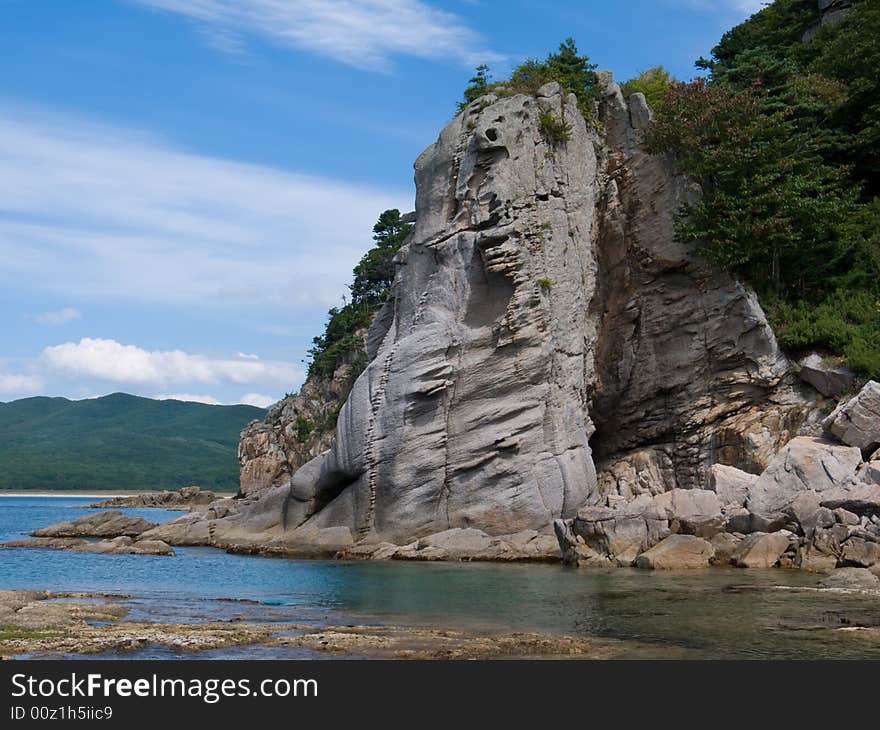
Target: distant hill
column 119, row 442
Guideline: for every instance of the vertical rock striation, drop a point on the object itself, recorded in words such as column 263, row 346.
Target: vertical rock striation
column 543, row 320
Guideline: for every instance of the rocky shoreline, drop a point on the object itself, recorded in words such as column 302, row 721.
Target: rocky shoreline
column 181, row 500
column 816, row 507
column 41, row 624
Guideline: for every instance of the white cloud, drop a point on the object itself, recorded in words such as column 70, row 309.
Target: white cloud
column 92, row 211
column 61, row 316
column 258, row 399
column 109, row 360
column 361, row 33
column 245, row 356
column 190, row 398
column 20, row 385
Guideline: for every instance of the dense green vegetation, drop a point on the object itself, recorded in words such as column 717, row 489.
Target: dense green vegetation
column 654, row 83
column 784, row 138
column 573, row 72
column 372, row 282
column 120, row 442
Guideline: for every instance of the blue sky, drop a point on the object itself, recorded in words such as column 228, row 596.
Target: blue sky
column 185, row 185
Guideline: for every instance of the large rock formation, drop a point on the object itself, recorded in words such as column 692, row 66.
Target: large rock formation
column 295, row 430
column 544, row 325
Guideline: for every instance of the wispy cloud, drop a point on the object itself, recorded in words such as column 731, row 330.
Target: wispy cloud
column 361, row 33
column 61, row 316
column 92, row 211
column 112, row 361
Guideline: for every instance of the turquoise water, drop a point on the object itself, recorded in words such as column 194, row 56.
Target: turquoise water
column 723, row 613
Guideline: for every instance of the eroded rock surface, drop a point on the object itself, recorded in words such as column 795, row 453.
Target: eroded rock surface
column 543, row 321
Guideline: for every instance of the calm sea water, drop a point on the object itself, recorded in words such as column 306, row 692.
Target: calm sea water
column 717, row 613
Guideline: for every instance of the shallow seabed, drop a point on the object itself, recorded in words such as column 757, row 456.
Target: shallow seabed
column 712, row 613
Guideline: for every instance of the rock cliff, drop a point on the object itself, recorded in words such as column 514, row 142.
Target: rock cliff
column 548, row 344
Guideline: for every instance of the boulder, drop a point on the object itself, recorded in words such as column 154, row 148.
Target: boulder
column 574, row 549
column 732, row 485
column 805, row 463
column 621, row 534
column 102, row 524
column 845, row 517
column 857, row 421
column 813, row 560
column 869, row 472
column 830, row 379
column 761, row 550
column 851, row 579
column 683, row 504
column 724, row 544
column 856, row 497
column 741, row 520
column 860, row 553
column 677, row 551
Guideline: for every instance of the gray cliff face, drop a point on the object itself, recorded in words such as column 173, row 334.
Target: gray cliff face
column 688, row 369
column 543, row 320
column 473, row 411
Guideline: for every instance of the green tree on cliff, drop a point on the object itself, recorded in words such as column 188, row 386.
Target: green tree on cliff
column 369, row 290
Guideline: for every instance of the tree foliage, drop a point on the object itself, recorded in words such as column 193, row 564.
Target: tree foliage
column 573, row 72
column 784, row 139
column 369, row 289
column 653, row 83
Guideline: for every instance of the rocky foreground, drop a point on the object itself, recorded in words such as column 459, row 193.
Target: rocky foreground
column 41, row 624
